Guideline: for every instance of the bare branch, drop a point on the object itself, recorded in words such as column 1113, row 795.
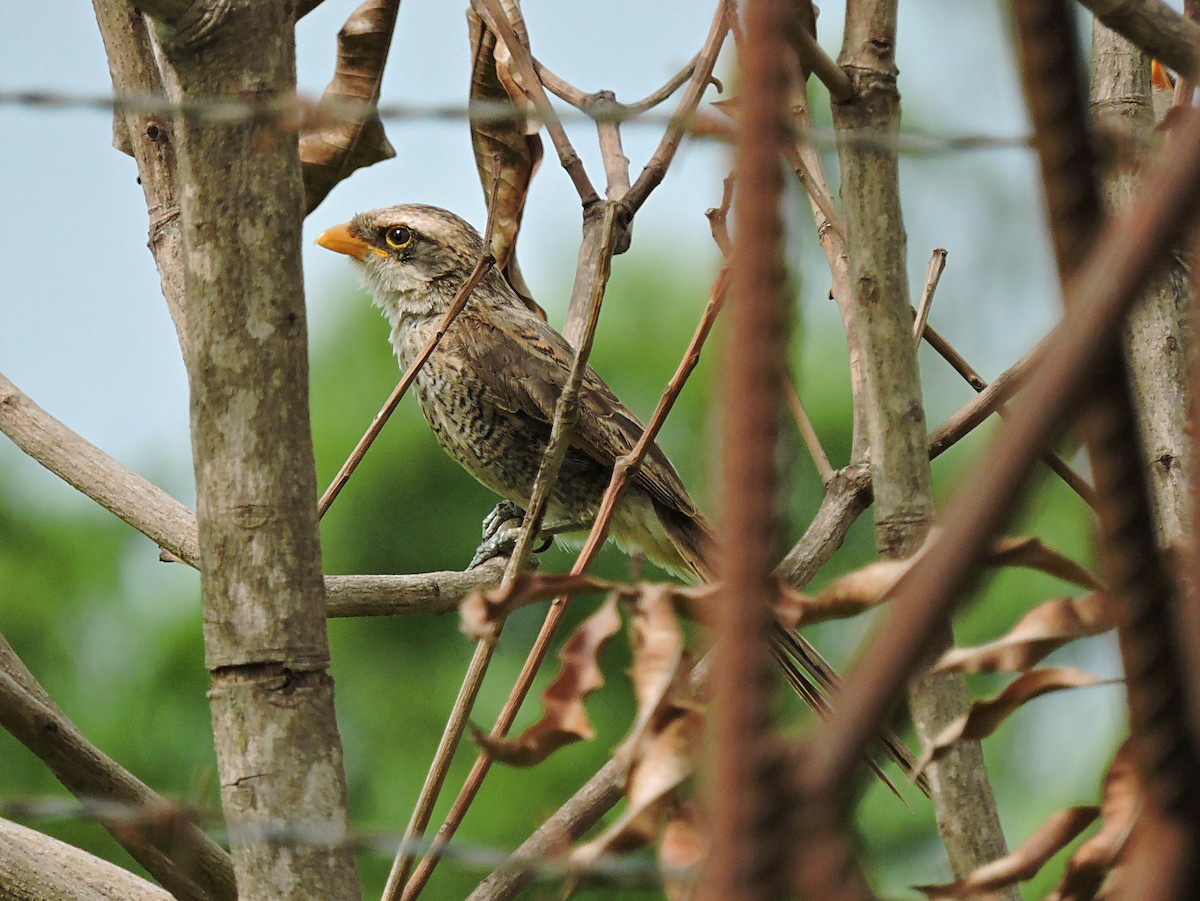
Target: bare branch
column 656, row 168
column 903, row 486
column 812, row 441
column 149, row 137
column 34, row 867
column 969, row 413
column 85, row 467
column 1157, row 334
column 1154, row 28
column 262, row 589
column 498, row 21
column 174, row 850
column 814, row 59
column 937, row 263
column 420, row 593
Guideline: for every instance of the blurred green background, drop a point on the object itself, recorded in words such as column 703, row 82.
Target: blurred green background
column 115, row 636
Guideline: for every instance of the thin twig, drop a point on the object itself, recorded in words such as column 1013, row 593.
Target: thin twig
column 556, row 449
column 815, row 60
column 1060, row 467
column 971, row 414
column 581, row 99
column 521, row 56
column 811, row 440
column 701, row 77
column 831, row 234
column 933, row 275
column 664, row 93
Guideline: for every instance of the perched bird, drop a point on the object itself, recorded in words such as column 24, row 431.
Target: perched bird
column 488, row 392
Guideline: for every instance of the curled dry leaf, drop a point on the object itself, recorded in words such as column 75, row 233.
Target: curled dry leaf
column 1023, row 863
column 682, row 848
column 508, row 151
column 482, row 612
column 1044, row 629
column 871, row 585
column 662, row 761
column 664, row 746
column 564, row 719
column 984, row 717
column 660, row 663
column 1031, row 553
column 848, row 596
column 336, row 146
column 1096, row 858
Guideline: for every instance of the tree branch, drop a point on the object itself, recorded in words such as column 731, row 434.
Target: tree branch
column 1156, row 336
column 1154, row 28
column 174, row 850
column 279, row 755
column 903, row 487
column 34, row 867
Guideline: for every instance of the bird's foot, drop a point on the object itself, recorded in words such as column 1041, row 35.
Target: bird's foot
column 502, row 513
column 500, row 530
column 502, row 526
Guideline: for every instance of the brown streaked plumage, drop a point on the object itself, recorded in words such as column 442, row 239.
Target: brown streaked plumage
column 488, row 392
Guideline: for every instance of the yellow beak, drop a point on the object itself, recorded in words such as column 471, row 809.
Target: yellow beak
column 342, row 240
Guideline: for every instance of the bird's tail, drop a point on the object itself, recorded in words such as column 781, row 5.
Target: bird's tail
column 809, row 673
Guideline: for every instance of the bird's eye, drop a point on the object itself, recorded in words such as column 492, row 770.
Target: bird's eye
column 398, row 237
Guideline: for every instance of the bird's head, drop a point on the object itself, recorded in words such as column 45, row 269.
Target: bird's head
column 413, row 257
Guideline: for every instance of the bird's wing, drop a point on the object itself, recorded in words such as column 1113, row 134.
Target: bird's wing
column 529, row 363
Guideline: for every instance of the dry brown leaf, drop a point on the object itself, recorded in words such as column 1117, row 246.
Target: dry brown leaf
column 1044, row 629
column 664, row 745
column 334, row 147
column 871, row 585
column 984, row 717
column 681, row 849
column 852, row 594
column 482, row 612
column 1089, row 866
column 660, row 663
column 663, row 760
column 564, row 719
column 508, row 150
column 1023, row 863
column 1031, row 553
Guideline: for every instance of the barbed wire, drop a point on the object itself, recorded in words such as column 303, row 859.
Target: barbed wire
column 626, row 871
column 297, row 111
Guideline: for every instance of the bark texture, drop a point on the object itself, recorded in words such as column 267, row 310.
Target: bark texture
column 35, row 867
column 149, row 140
column 278, row 751
column 1156, row 335
column 895, row 417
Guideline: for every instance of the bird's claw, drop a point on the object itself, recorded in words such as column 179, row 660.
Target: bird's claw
column 501, row 513
column 501, row 528
column 501, row 542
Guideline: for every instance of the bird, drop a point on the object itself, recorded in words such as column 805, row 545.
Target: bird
column 489, row 390
column 488, row 393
